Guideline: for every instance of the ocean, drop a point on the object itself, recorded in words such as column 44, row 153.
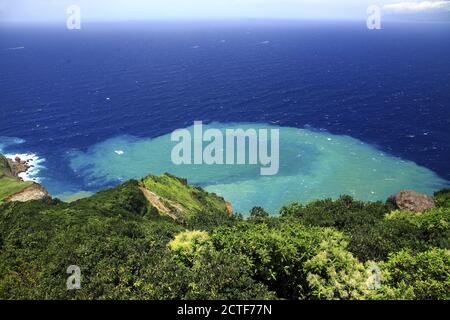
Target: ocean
column 361, row 112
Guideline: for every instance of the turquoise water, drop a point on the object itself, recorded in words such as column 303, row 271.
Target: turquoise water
column 313, row 165
column 94, row 91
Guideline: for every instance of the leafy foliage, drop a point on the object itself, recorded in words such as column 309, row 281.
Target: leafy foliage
column 294, row 261
column 258, row 213
column 333, row 273
column 343, row 214
column 421, row 276
column 127, row 248
column 442, row 198
column 188, row 245
column 120, row 245
column 373, row 230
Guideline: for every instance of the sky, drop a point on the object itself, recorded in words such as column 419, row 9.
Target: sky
column 113, row 10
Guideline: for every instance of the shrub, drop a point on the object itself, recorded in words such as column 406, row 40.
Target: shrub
column 343, row 214
column 258, row 213
column 188, row 245
column 294, row 261
column 442, row 198
column 373, row 231
column 420, row 276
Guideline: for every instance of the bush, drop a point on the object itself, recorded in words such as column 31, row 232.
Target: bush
column 126, row 250
column 212, row 275
column 294, row 261
column 258, row 213
column 188, row 245
column 373, row 230
column 420, row 276
column 442, row 198
column 343, row 214
column 207, row 273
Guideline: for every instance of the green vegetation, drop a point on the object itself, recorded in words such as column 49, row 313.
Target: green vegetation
column 193, row 199
column 424, row 275
column 10, row 186
column 190, row 245
column 294, row 261
column 374, row 230
column 442, row 198
column 190, row 205
column 5, row 168
column 160, row 238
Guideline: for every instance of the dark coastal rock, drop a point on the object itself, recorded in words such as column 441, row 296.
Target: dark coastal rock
column 12, row 168
column 17, row 166
column 5, row 167
column 410, row 200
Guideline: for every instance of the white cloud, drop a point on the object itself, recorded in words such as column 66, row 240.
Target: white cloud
column 414, row 7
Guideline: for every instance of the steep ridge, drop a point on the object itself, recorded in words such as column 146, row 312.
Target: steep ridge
column 12, row 187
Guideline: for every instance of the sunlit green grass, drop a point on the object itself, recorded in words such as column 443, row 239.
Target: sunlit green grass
column 193, row 199
column 10, row 186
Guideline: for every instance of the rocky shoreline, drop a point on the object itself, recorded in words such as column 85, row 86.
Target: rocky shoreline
column 19, row 166
column 408, row 200
column 13, row 169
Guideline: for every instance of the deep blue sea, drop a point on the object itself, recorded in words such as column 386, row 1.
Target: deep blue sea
column 64, row 94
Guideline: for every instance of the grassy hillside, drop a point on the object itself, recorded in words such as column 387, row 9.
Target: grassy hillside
column 193, row 199
column 127, row 248
column 184, row 202
column 10, row 186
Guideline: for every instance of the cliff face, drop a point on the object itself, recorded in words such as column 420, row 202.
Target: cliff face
column 33, row 192
column 12, row 188
column 174, row 197
column 5, row 167
column 168, row 195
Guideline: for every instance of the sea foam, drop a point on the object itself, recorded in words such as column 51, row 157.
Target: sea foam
column 34, row 161
column 313, row 165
